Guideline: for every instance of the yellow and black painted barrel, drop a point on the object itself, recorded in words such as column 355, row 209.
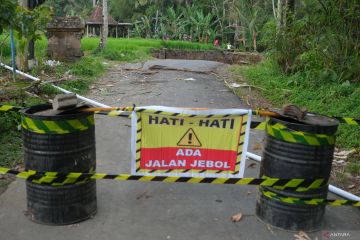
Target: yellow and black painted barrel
column 296, row 150
column 59, row 143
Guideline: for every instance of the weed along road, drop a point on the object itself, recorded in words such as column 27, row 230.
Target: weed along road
column 156, row 210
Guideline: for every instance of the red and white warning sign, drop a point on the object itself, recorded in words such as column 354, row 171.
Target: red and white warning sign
column 184, row 142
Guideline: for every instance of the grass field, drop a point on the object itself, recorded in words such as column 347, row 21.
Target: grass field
column 120, row 49
column 332, row 99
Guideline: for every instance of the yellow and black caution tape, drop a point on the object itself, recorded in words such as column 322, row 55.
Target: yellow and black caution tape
column 258, row 125
column 114, row 113
column 58, row 126
column 348, row 121
column 313, row 201
column 60, row 179
column 123, row 112
column 118, row 112
column 281, row 132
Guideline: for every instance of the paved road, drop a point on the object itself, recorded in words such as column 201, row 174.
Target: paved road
column 134, row 210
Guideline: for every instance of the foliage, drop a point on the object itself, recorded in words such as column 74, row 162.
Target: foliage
column 83, row 71
column 172, row 24
column 10, row 136
column 201, row 20
column 322, row 39
column 134, row 49
column 81, row 8
column 7, row 11
column 332, row 99
column 29, row 24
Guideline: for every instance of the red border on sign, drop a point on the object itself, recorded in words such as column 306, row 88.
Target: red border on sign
column 187, row 158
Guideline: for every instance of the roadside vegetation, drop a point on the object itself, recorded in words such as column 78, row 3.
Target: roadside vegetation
column 76, row 77
column 311, row 50
column 313, row 60
column 331, row 99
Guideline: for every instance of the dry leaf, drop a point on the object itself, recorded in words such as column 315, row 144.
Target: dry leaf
column 270, row 230
column 351, row 186
column 302, row 236
column 252, row 165
column 257, row 146
column 344, row 153
column 237, row 217
column 143, row 195
column 248, row 193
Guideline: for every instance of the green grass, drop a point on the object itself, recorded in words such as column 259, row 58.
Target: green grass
column 353, row 164
column 353, row 168
column 341, row 178
column 332, row 99
column 120, row 49
column 133, row 49
column 10, row 136
column 83, row 72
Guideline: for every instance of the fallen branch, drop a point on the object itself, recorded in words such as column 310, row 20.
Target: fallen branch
column 161, row 67
column 32, row 94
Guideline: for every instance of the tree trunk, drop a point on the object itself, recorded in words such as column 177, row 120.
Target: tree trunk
column 274, row 9
column 105, row 27
column 285, row 8
column 22, row 49
column 254, row 36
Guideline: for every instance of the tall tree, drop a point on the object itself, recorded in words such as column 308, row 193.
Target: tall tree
column 284, row 10
column 105, row 26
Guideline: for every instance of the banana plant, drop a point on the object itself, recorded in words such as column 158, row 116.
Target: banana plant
column 202, row 25
column 172, row 23
column 249, row 25
column 29, row 25
column 143, row 28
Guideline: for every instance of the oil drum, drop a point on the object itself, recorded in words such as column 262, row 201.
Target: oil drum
column 296, row 150
column 59, row 143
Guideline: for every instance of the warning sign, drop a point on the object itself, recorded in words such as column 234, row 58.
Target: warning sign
column 172, row 141
column 189, row 139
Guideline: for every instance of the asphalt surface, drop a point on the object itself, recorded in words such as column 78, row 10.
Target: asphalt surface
column 135, row 210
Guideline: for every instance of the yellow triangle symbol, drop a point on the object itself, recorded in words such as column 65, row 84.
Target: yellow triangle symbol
column 189, row 139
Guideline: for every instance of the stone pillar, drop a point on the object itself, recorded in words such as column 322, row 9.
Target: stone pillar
column 64, row 38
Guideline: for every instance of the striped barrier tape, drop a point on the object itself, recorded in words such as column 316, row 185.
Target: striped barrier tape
column 119, row 112
column 258, row 125
column 345, row 120
column 314, row 201
column 59, row 126
column 349, row 121
column 48, row 178
column 281, row 132
column 60, row 179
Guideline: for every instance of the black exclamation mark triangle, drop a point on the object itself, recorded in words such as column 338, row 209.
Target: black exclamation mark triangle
column 189, row 139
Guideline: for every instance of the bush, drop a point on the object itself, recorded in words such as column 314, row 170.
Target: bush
column 323, row 41
column 330, row 98
column 87, row 67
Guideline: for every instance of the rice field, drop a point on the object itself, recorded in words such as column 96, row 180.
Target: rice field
column 120, row 49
